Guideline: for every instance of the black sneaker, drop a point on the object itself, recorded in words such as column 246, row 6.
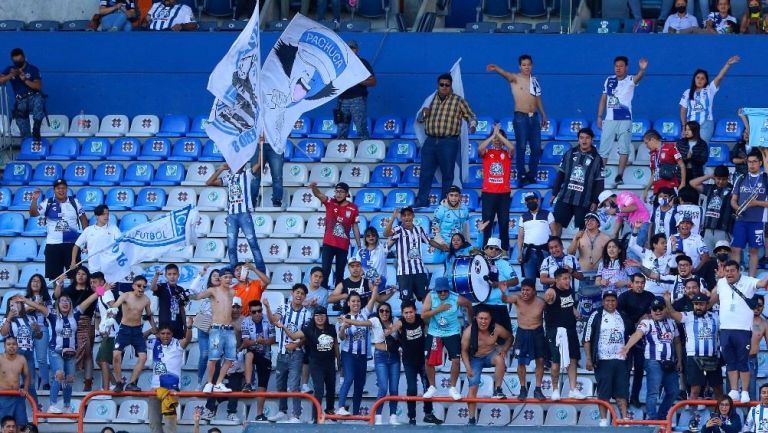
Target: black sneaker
column 46, row 387
column 247, row 388
column 472, row 421
column 277, row 203
column 261, row 418
column 119, row 387
column 132, row 387
column 538, row 394
column 619, row 179
column 430, row 418
column 412, row 421
column 635, row 402
column 523, row 393
column 498, row 394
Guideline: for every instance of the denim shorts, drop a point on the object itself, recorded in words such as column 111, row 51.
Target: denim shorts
column 478, row 364
column 130, row 336
column 221, row 342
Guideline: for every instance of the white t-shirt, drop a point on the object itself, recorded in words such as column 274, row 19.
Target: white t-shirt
column 693, row 247
column 735, row 314
column 678, row 23
column 109, row 326
column 163, row 18
column 96, row 238
column 165, row 359
column 61, row 220
column 537, row 231
column 103, row 303
column 611, row 335
column 619, row 94
column 700, row 107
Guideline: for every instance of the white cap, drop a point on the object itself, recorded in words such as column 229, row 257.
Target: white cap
column 493, row 242
column 237, row 301
column 722, row 244
column 604, row 196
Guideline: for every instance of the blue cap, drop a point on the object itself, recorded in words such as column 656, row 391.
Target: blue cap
column 441, row 284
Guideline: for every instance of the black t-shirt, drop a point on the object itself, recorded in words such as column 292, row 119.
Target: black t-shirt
column 170, row 306
column 319, row 343
column 78, row 296
column 358, row 90
column 718, row 214
column 635, row 305
column 560, row 314
column 683, row 305
column 362, row 287
column 412, row 341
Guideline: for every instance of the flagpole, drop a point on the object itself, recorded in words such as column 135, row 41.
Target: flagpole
column 260, row 120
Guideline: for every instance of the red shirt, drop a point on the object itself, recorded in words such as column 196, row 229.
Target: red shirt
column 496, row 170
column 667, row 154
column 338, row 223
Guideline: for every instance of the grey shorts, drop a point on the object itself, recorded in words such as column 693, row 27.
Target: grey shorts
column 616, row 136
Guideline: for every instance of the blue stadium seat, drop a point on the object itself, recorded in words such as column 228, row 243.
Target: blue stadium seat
column 75, row 26
column 309, row 151
column 174, row 125
column 211, row 153
column 233, row 26
column 669, row 128
column 410, row 177
column 17, row 173
column 369, row 200
column 78, row 173
column 6, row 197
column 197, row 128
column 120, row 199
column 508, row 126
column 125, row 149
column 431, row 255
column 639, row 127
column 545, row 201
column 11, row 25
column 138, row 174
column 546, row 27
column 94, row 149
column 301, row 127
column 131, row 220
column 515, row 27
column 32, row 151
column 598, row 133
column 474, row 157
column 63, row 149
column 475, row 177
column 728, row 130
column 379, row 222
column 400, row 151
column 218, row 8
column 603, row 25
column 49, row 193
column 387, row 127
column 517, row 203
column 497, row 8
column 169, row 174
column 470, row 199
column 186, row 149
column 11, row 224
column 718, row 154
column 155, row 149
column 569, row 128
column 289, row 150
column 384, row 176
column 353, row 129
column 22, row 198
column 324, row 127
column 46, row 173
column 545, row 178
column 21, row 250
column 409, row 131
column 434, row 198
column 112, row 220
column 484, row 128
column 42, row 26
column 398, row 198
column 548, row 133
column 108, row 174
column 150, row 199
column 35, row 227
column 90, row 197
column 553, row 152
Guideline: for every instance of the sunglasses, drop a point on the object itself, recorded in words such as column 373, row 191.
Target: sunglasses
column 141, row 286
column 658, row 310
column 384, row 311
column 255, row 311
column 445, row 85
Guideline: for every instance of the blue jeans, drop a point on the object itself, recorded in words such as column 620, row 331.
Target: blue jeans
column 642, row 239
column 437, row 152
column 288, row 377
column 243, row 221
column 527, row 132
column 118, row 20
column 29, row 355
column 752, row 376
column 532, row 262
column 222, row 343
column 656, row 379
column 353, row 367
column 322, row 7
column 67, row 366
column 202, row 364
column 41, row 354
column 356, row 108
column 33, row 104
column 275, row 161
column 387, row 376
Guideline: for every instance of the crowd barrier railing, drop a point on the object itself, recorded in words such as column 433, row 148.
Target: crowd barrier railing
column 26, row 396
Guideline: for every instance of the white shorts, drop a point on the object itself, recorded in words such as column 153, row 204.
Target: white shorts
column 616, row 134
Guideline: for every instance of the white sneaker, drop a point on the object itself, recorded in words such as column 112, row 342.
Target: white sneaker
column 555, row 394
column 306, row 389
column 276, row 417
column 221, row 388
column 207, row 414
column 54, row 408
column 576, row 394
column 745, row 397
column 293, row 420
column 431, row 391
column 208, row 387
column 603, row 422
column 378, row 420
column 393, row 420
column 734, row 394
column 454, row 393
column 342, row 411
column 233, row 417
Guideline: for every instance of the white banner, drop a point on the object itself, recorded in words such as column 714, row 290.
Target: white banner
column 462, row 164
column 308, row 66
column 174, row 230
column 234, row 120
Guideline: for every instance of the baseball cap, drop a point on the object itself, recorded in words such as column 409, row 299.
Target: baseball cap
column 658, row 304
column 592, row 215
column 352, row 43
column 454, row 188
column 685, row 219
column 320, row 310
column 441, row 284
column 493, row 242
column 700, row 297
column 610, row 292
column 604, row 196
column 342, row 186
column 353, row 259
column 531, row 194
column 722, row 244
column 237, row 301
column 58, row 182
column 722, row 171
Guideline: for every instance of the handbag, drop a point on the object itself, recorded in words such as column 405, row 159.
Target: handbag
column 667, row 171
column 435, row 357
column 202, row 322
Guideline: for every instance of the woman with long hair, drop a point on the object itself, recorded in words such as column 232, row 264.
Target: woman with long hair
column 373, row 257
column 78, row 291
column 386, row 358
column 694, row 149
column 697, row 101
column 203, row 318
column 38, row 292
column 724, row 419
column 354, row 339
column 612, row 271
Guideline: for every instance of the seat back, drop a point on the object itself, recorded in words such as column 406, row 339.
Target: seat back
column 514, row 27
column 75, row 26
column 11, row 25
column 387, row 127
column 303, row 200
column 46, row 173
column 103, row 410
column 295, row 174
column 399, row 198
column 323, row 127
column 339, row 150
column 212, row 199
column 174, row 125
column 569, row 128
column 133, row 410
column 718, row 154
column 153, row 198
column 56, row 126
column 290, row 225
column 385, row 176
column 494, row 414
column 186, row 149
column 669, row 128
column 263, row 225
column 64, row 148
column 400, row 151
column 84, row 125
column 370, row 151
column 120, row 198
column 639, row 128
column 6, row 198
column 198, row 173
column 78, row 173
column 169, row 173
column 9, row 275
column 24, row 249
column 17, row 173
column 457, row 414
column 113, row 125
column 139, row 173
column 304, row 250
column 369, row 200
column 211, row 152
column 42, row 26
column 527, row 415
column 603, row 25
column 197, row 128
column 32, row 150
column 480, row 27
column 728, row 130
column 144, row 125
column 309, row 151
column 125, row 148
column 274, row 250
column 90, row 197
column 355, row 174
column 156, row 149
column 325, row 175
column 131, row 220
column 210, row 249
column 94, row 149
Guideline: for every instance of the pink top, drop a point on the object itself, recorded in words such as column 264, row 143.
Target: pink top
column 626, row 198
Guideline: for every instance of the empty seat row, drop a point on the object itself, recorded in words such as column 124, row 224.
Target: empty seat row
column 121, row 149
column 104, row 174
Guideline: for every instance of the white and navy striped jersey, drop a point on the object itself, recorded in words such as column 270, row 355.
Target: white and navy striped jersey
column 551, row 263
column 700, row 107
column 63, row 330
column 162, row 17
column 293, row 320
column 664, row 221
column 238, row 190
column 659, row 339
column 701, row 334
column 21, row 328
column 408, row 245
column 357, row 337
column 757, row 420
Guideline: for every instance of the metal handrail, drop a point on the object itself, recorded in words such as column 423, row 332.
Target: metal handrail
column 29, row 399
column 681, row 404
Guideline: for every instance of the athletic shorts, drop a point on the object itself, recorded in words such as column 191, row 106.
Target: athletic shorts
column 748, row 233
column 105, row 350
column 530, row 344
column 612, row 379
column 130, row 336
column 695, row 376
column 616, row 136
column 451, row 343
column 734, row 347
column 573, row 345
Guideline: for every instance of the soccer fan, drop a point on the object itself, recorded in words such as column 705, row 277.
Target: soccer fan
column 534, row 230
column 167, row 359
column 557, row 259
column 497, row 153
column 530, row 340
column 749, row 201
column 589, row 242
column 353, row 102
column 451, row 215
column 95, row 239
column 27, row 85
column 170, row 15
column 135, row 305
column 718, row 213
column 258, row 336
column 635, row 304
column 667, row 166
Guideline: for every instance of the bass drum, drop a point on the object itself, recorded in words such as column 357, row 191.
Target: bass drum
column 470, row 278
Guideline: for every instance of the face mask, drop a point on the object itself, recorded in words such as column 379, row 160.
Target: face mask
column 754, row 9
column 723, row 257
column 18, row 64
column 663, row 201
column 681, row 9
column 531, row 205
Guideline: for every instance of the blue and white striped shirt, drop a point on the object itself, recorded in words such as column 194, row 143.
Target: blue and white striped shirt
column 659, row 339
column 163, row 17
column 357, row 337
column 238, row 190
column 63, row 330
column 700, row 107
column 701, row 334
column 293, row 320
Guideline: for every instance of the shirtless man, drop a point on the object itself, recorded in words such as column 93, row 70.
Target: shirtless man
column 526, row 92
column 759, row 332
column 484, row 352
column 12, row 367
column 222, row 339
column 530, row 342
column 130, row 332
column 589, row 243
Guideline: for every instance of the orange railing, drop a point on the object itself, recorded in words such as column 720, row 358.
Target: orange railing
column 682, row 404
column 29, row 399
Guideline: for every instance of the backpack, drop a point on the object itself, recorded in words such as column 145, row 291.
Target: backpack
column 72, row 202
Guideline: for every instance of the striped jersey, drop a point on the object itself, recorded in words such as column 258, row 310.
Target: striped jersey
column 238, row 190
column 659, row 339
column 700, row 106
column 63, row 330
column 252, row 330
column 357, row 337
column 408, row 245
column 701, row 334
column 664, row 220
column 293, row 320
column 21, row 328
column 163, row 17
column 619, row 94
column 757, row 420
column 551, row 263
column 582, row 177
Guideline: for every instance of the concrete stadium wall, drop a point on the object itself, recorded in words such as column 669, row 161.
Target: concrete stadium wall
column 57, row 10
column 167, row 73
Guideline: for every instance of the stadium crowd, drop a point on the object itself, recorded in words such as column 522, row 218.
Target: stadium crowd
column 652, row 287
